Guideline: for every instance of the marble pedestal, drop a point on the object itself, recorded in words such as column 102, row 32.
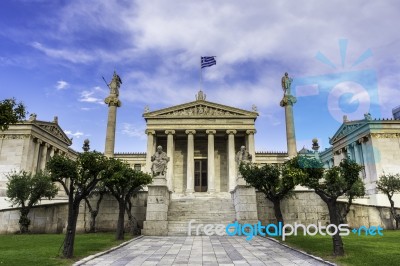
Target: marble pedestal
column 244, row 200
column 156, row 223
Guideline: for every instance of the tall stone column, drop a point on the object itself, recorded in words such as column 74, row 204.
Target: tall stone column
column 113, row 103
column 150, row 148
column 43, row 158
column 36, row 155
column 251, row 145
column 210, row 161
column 190, row 161
column 170, row 154
column 288, row 101
column 231, row 159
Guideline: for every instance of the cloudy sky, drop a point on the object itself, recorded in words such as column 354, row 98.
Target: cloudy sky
column 343, row 56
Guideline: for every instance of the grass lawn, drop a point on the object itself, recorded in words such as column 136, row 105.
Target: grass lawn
column 44, row 249
column 359, row 250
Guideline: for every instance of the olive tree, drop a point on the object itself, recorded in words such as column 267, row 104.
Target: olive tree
column 329, row 185
column 25, row 190
column 122, row 182
column 78, row 178
column 276, row 182
column 390, row 184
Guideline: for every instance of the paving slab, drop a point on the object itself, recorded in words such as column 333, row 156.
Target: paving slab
column 202, row 250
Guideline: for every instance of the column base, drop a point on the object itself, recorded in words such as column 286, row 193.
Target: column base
column 189, row 192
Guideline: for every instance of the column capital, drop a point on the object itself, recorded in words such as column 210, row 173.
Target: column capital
column 231, row 131
column 150, row 132
column 190, row 131
column 170, row 131
column 211, row 131
column 251, row 131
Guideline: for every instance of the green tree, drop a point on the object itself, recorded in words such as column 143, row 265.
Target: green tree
column 276, row 182
column 78, row 179
column 390, row 184
column 337, row 181
column 11, row 112
column 122, row 182
column 26, row 190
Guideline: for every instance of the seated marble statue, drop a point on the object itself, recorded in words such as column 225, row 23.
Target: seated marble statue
column 243, row 156
column 160, row 160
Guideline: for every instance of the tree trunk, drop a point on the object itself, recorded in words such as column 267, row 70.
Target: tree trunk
column 278, row 211
column 92, row 224
column 338, row 249
column 24, row 221
column 73, row 211
column 121, row 216
column 393, row 211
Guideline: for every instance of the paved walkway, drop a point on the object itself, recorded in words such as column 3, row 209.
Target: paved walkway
column 203, row 250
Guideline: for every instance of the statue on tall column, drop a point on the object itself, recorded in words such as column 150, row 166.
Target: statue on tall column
column 160, row 160
column 286, row 82
column 114, row 84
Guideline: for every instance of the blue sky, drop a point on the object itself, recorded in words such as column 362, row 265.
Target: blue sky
column 54, row 53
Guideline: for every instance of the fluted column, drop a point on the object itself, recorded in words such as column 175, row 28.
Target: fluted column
column 150, row 148
column 113, row 103
column 250, row 140
column 44, row 156
column 231, row 159
column 36, row 155
column 170, row 154
column 52, row 151
column 190, row 161
column 210, row 161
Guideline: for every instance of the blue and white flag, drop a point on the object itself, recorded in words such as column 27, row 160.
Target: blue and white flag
column 207, row 61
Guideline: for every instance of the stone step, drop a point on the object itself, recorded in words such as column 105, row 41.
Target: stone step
column 203, row 209
column 181, row 228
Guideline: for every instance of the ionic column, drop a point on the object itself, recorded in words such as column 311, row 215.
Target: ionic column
column 170, row 154
column 150, row 148
column 190, row 161
column 231, row 159
column 210, row 161
column 44, row 156
column 251, row 147
column 52, row 151
column 36, row 155
column 357, row 152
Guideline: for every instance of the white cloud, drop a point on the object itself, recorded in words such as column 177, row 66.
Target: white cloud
column 95, row 95
column 77, row 134
column 133, row 131
column 61, row 84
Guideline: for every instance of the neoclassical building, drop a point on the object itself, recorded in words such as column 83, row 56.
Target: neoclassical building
column 201, row 139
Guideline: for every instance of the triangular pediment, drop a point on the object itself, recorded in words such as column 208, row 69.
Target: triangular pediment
column 54, row 130
column 200, row 108
column 346, row 129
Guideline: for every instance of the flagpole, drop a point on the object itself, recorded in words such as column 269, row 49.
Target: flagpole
column 201, row 76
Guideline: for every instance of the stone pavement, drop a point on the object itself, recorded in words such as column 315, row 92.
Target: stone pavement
column 202, row 250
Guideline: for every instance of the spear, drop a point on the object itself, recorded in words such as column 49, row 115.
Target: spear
column 106, row 82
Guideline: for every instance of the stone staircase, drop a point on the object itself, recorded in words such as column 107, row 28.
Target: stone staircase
column 204, row 208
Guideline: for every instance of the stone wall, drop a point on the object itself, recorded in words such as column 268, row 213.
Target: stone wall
column 49, row 218
column 303, row 207
column 52, row 218
column 306, row 207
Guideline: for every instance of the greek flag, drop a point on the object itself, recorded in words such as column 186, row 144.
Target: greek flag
column 207, row 61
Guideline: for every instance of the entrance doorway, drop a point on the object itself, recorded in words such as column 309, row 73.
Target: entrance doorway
column 200, row 175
